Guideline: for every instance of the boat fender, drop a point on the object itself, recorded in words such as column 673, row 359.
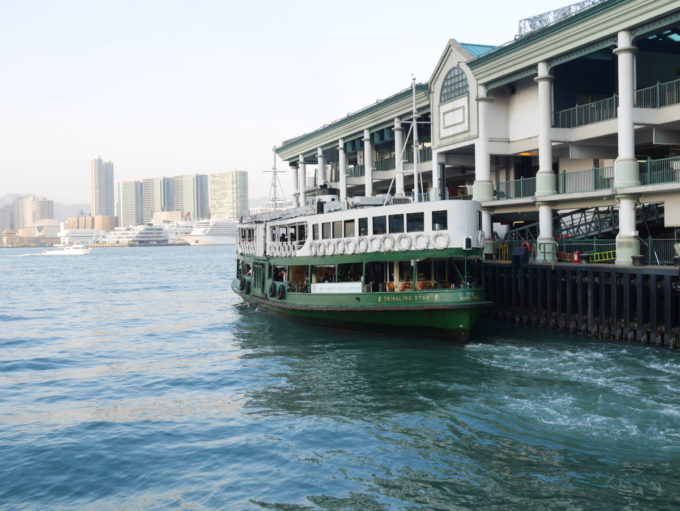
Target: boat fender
column 330, row 247
column 272, row 289
column 376, row 243
column 362, row 246
column 281, row 293
column 350, row 247
column 321, row 250
column 247, row 287
column 422, row 241
column 339, row 247
column 388, row 243
column 312, row 248
column 404, row 242
column 440, row 240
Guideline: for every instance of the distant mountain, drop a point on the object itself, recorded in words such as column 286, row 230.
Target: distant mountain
column 10, row 198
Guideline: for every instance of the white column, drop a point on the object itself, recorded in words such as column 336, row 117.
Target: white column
column 482, row 190
column 342, row 164
column 399, row 156
column 545, row 178
column 321, row 167
column 368, row 163
column 627, row 242
column 545, row 249
column 296, row 186
column 626, row 171
column 302, row 179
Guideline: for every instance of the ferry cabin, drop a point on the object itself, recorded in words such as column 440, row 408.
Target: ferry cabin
column 403, row 248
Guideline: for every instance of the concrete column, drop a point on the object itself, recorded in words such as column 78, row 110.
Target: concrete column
column 302, row 179
column 545, row 177
column 342, row 170
column 296, row 188
column 482, row 190
column 488, row 232
column 399, row 156
column 626, row 171
column 436, row 160
column 627, row 242
column 545, row 248
column 368, row 163
column 321, row 164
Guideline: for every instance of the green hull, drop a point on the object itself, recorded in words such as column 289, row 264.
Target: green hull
column 446, row 313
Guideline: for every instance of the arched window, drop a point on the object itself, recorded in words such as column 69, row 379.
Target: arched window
column 455, row 85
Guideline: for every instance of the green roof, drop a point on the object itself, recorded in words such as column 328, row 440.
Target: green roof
column 477, row 49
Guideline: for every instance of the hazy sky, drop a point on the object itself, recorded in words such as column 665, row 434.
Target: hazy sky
column 170, row 87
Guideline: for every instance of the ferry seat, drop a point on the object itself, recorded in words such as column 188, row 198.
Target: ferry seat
column 390, row 287
column 424, row 285
column 404, row 286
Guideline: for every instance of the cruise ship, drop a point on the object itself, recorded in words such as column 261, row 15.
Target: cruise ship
column 218, row 231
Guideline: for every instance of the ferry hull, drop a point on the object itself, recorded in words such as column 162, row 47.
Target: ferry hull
column 446, row 313
column 198, row 240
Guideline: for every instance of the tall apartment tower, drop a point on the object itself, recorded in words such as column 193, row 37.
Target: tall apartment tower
column 159, row 195
column 102, row 187
column 229, row 194
column 130, row 203
column 29, row 210
column 191, row 196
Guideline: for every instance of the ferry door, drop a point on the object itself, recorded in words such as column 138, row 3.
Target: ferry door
column 258, row 277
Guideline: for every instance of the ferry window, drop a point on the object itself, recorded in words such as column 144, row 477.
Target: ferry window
column 424, row 270
column 396, row 223
column 379, row 225
column 405, row 271
column 440, row 271
column 326, row 230
column 315, row 231
column 363, row 227
column 301, row 232
column 337, row 229
column 415, row 222
column 439, row 221
column 349, row 228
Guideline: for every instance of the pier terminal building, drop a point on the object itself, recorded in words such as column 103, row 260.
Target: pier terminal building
column 569, row 132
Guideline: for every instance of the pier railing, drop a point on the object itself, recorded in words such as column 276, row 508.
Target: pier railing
column 385, row 164
column 355, row 171
column 659, row 95
column 596, row 178
column 516, row 189
column 665, row 170
column 580, row 115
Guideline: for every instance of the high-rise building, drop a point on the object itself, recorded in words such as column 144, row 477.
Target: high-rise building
column 130, row 203
column 6, row 217
column 159, row 195
column 191, row 196
column 102, row 187
column 229, row 194
column 28, row 210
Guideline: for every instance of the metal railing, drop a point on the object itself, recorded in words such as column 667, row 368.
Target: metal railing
column 385, row 164
column 515, row 189
column 597, row 178
column 355, row 171
column 665, row 170
column 659, row 95
column 579, row 115
column 425, row 154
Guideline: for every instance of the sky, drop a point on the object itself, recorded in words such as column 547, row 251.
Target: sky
column 168, row 87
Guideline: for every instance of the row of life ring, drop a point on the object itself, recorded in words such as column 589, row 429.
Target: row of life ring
column 384, row 243
column 282, row 249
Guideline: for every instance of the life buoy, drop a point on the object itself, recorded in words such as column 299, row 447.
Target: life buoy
column 330, row 248
column 422, row 242
column 388, row 243
column 321, row 249
column 350, row 247
column 281, row 293
column 339, row 247
column 440, row 240
column 290, row 250
column 403, row 242
column 527, row 246
column 312, row 248
column 272, row 289
column 375, row 244
column 362, row 246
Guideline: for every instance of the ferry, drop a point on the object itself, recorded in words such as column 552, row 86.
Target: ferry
column 218, row 231
column 411, row 266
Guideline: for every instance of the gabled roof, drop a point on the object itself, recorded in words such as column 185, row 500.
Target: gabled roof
column 477, row 49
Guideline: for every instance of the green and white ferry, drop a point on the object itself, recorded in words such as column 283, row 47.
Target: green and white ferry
column 413, row 266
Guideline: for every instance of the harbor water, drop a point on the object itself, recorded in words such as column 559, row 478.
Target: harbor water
column 135, row 379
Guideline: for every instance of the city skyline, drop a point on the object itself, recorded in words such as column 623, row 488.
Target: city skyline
column 179, row 94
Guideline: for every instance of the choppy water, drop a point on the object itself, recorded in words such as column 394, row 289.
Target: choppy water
column 134, row 379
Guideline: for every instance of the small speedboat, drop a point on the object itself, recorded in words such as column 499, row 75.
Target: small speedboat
column 77, row 249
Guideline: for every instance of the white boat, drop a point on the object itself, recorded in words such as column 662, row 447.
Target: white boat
column 70, row 250
column 218, row 231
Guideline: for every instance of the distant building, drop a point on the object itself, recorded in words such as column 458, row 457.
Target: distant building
column 191, row 196
column 100, row 223
column 102, row 187
column 159, row 195
column 229, row 194
column 160, row 217
column 130, row 202
column 29, row 210
column 6, row 217
column 9, row 238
